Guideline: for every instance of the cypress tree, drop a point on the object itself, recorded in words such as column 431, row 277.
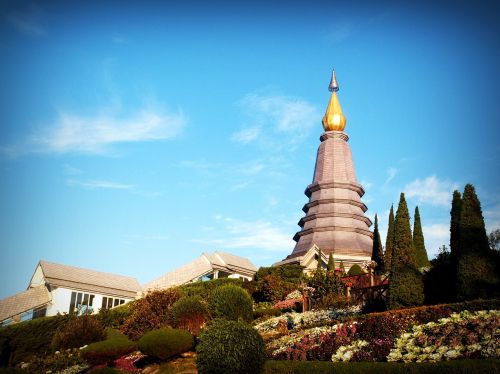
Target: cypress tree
column 377, row 250
column 475, row 273
column 331, row 263
column 406, row 285
column 455, row 213
column 319, row 266
column 418, row 242
column 389, row 241
column 342, row 267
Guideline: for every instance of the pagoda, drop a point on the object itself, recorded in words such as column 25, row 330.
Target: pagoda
column 334, row 220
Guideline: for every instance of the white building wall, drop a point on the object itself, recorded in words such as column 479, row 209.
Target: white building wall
column 37, row 278
column 61, row 299
column 238, row 276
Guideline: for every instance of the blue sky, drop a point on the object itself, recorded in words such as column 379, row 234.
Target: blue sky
column 134, row 136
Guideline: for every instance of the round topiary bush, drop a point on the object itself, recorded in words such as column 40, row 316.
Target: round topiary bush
column 165, row 343
column 355, row 270
column 190, row 313
column 231, row 302
column 230, row 347
column 116, row 345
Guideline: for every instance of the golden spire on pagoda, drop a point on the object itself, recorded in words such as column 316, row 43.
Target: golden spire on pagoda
column 334, row 119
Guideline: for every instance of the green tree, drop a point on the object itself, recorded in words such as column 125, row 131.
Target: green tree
column 389, row 241
column 406, row 285
column 319, row 265
column 455, row 213
column 331, row 263
column 377, row 250
column 342, row 267
column 439, row 283
column 475, row 271
column 418, row 242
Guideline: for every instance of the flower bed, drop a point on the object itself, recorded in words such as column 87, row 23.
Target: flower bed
column 393, row 337
column 462, row 335
column 307, row 319
column 285, row 345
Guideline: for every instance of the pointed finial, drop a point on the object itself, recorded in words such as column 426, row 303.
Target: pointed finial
column 334, row 119
column 334, row 86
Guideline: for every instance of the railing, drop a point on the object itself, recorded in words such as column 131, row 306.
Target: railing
column 368, row 287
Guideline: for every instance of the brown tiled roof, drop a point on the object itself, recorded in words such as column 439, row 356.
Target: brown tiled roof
column 89, row 280
column 236, row 262
column 204, row 264
column 24, row 301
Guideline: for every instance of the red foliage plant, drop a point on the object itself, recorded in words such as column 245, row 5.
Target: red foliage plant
column 151, row 312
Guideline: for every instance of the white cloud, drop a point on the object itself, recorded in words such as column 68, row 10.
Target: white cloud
column 258, row 234
column 239, row 186
column 27, row 22
column 431, row 191
column 391, row 173
column 286, row 113
column 71, row 170
column 492, row 217
column 290, row 116
column 100, row 184
column 73, row 133
column 339, row 32
column 436, row 235
column 148, row 237
column 118, row 39
column 366, row 185
column 246, row 135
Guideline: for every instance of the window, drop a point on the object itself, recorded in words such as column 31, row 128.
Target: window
column 110, row 302
column 40, row 312
column 81, row 303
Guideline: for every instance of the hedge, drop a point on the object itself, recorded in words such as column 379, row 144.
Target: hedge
column 79, row 331
column 431, row 313
column 22, row 341
column 117, row 316
column 115, row 346
column 444, row 367
column 205, row 289
column 165, row 343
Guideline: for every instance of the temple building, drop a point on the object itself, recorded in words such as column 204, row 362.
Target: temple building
column 334, row 220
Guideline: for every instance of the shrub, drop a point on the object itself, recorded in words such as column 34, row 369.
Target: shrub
column 355, row 270
column 205, row 289
column 230, row 347
column 79, row 331
column 291, row 273
column 231, row 302
column 116, row 317
column 266, row 313
column 328, row 289
column 22, row 341
column 106, row 351
column 151, row 312
column 273, row 288
column 190, row 313
column 165, row 343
